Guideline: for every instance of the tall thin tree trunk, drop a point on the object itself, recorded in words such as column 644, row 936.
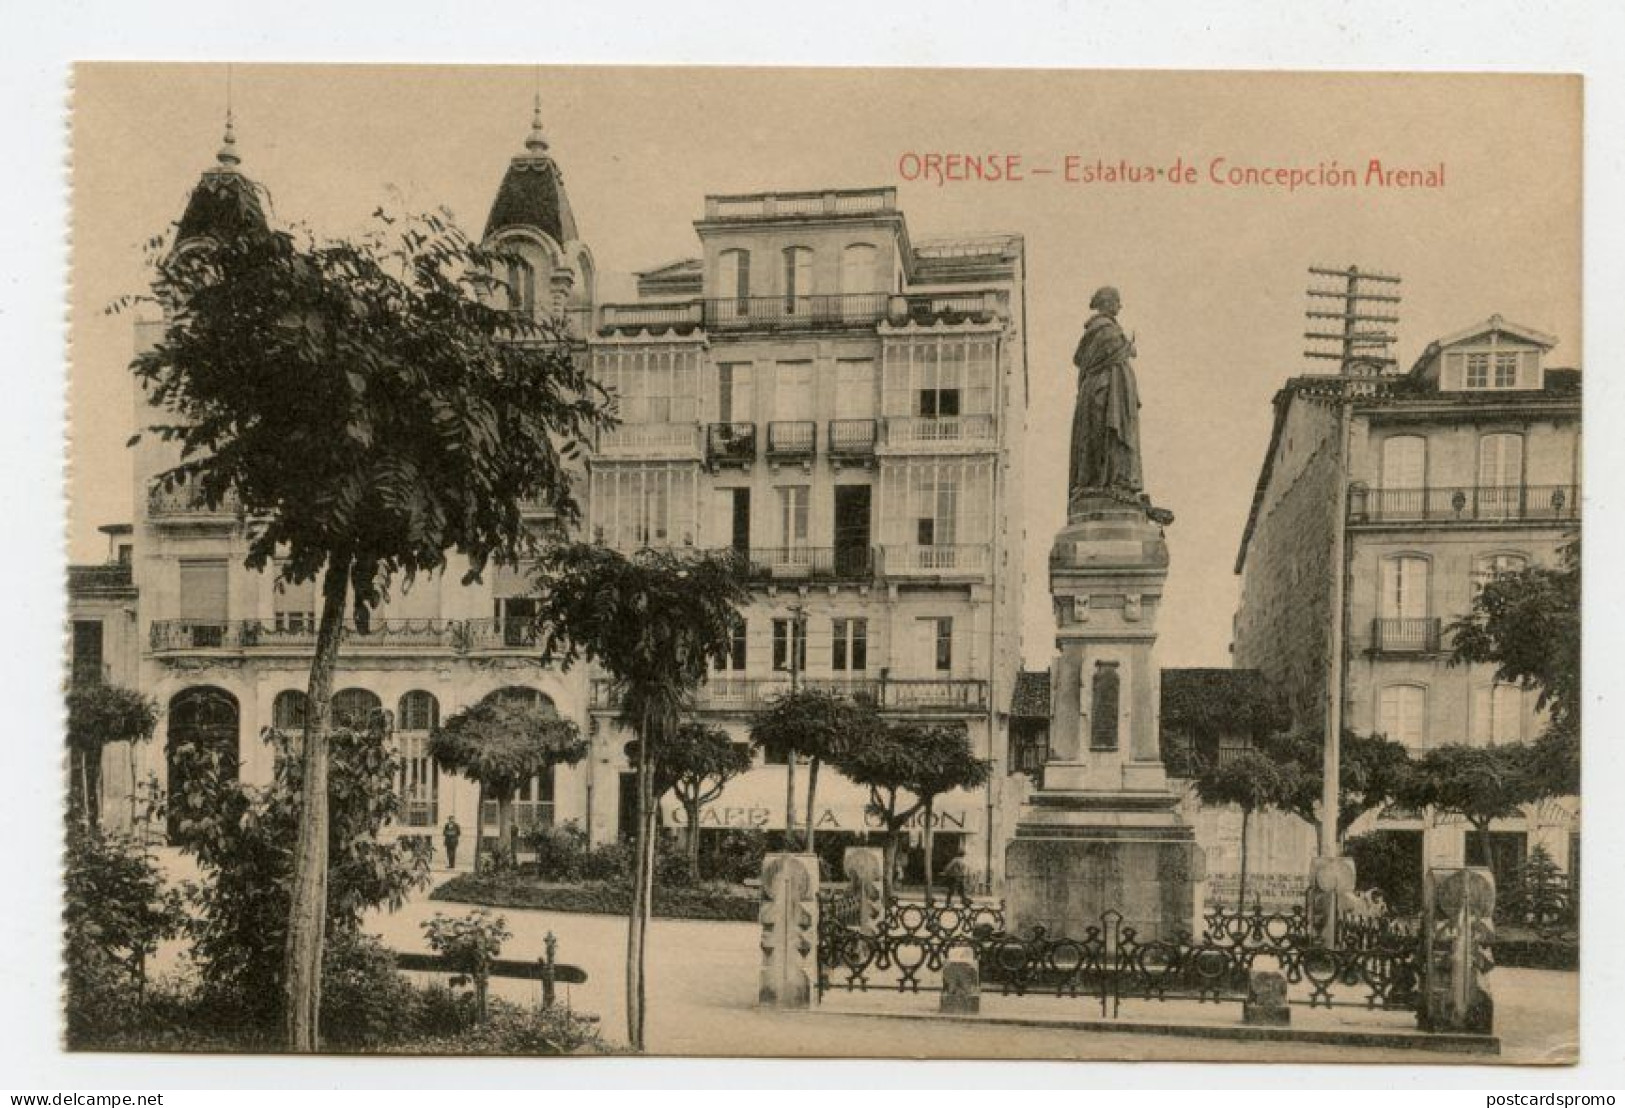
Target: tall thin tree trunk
column 479, row 828
column 307, row 914
column 692, row 807
column 1241, row 898
column 926, row 838
column 505, row 854
column 887, row 879
column 789, row 801
column 642, row 887
column 84, row 790
column 812, row 795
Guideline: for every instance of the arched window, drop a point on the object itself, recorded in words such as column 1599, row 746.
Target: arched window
column 203, row 725
column 357, row 709
column 288, row 710
column 533, row 802
column 418, row 783
column 798, row 279
column 1402, row 714
column 418, row 711
column 1403, row 623
column 521, row 286
column 1497, row 714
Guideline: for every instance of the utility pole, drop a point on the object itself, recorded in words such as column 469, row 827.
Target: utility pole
column 1361, row 311
column 797, row 648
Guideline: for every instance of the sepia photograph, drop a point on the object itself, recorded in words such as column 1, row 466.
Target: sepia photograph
column 822, row 563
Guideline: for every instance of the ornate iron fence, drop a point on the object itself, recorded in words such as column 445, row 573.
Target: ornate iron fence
column 1376, row 964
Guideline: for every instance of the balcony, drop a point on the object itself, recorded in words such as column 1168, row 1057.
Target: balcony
column 852, row 440
column 683, row 317
column 478, row 635
column 296, row 632
column 651, row 440
column 946, row 560
column 792, row 440
column 820, row 312
column 185, row 504
column 936, row 433
column 808, row 563
column 1466, row 504
column 722, row 693
column 730, row 444
column 1405, row 636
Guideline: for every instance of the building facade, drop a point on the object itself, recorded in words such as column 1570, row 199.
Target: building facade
column 1430, row 482
column 843, row 405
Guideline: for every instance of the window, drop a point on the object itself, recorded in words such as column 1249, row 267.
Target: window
column 849, row 650
column 788, row 633
column 288, row 711
column 859, row 271
column 798, row 277
column 736, row 400
column 1497, row 714
column 938, row 632
column 733, row 277
column 357, row 709
column 1490, row 566
column 855, row 388
column 293, row 607
column 793, row 394
column 1478, row 371
column 521, row 286
column 793, row 515
column 643, row 505
column 737, row 653
column 87, row 652
column 419, row 711
column 1404, row 587
column 1404, row 462
column 1402, row 714
column 1506, row 370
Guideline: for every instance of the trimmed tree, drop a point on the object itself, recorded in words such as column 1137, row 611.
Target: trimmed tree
column 820, row 726
column 97, row 716
column 1373, row 773
column 694, row 764
column 1253, row 782
column 371, row 408
column 656, row 622
column 502, row 744
column 1479, row 783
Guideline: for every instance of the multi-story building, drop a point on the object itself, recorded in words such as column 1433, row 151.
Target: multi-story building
column 226, row 651
column 1429, row 482
column 844, row 406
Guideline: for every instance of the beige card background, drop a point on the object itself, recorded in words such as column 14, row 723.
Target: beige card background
column 1212, row 276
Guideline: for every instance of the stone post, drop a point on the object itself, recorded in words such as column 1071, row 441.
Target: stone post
column 1266, row 1003
column 961, row 983
column 789, row 917
column 863, row 866
column 1458, row 911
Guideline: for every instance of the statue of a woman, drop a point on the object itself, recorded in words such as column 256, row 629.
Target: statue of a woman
column 1106, row 421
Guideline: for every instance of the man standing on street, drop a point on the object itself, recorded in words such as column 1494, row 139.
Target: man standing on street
column 452, row 833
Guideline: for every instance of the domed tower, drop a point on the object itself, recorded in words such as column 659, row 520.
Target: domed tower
column 225, row 202
column 552, row 272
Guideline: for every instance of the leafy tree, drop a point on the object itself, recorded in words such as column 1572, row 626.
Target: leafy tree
column 244, row 839
column 470, row 944
column 820, row 726
column 1527, row 624
column 694, row 763
column 1372, row 774
column 502, row 744
column 371, row 407
column 656, row 622
column 906, row 767
column 1253, row 782
column 99, row 715
column 1479, row 783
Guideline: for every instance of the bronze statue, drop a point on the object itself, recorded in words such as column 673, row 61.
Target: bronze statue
column 1106, row 420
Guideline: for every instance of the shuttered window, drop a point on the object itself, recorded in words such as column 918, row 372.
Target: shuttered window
column 203, row 590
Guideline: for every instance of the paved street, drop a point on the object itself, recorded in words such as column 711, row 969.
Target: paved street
column 702, row 989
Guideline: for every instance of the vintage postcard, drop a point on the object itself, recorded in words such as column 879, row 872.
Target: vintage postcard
column 824, row 563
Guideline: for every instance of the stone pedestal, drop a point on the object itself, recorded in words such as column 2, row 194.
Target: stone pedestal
column 1458, row 935
column 1103, row 832
column 789, row 918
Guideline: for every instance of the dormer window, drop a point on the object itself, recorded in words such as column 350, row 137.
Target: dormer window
column 1492, row 370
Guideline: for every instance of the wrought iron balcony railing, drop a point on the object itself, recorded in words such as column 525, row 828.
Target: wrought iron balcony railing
column 112, row 576
column 851, row 438
column 730, row 444
column 936, row 431
column 819, row 312
column 792, row 438
column 297, row 631
column 1405, row 636
column 494, row 634
column 1465, row 503
column 725, row 693
column 810, row 563
column 914, row 559
column 186, row 501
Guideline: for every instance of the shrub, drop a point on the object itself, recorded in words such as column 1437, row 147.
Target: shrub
column 1387, row 861
column 1538, row 894
column 512, row 1029
column 738, row 856
column 561, row 851
column 713, row 902
column 366, row 1001
column 469, row 944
